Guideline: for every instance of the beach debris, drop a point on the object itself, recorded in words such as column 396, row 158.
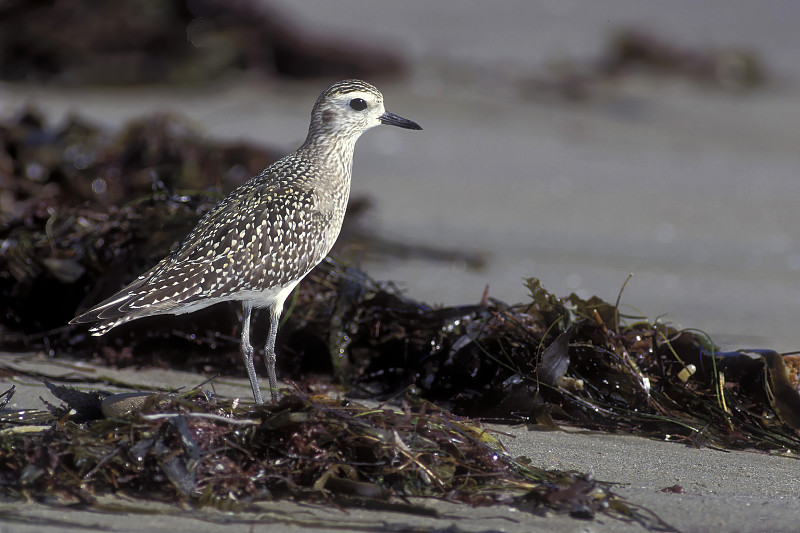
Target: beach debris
column 550, row 360
column 635, row 53
column 547, row 362
column 172, row 41
column 195, row 448
column 82, row 211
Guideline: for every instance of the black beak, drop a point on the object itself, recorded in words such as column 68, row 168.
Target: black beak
column 393, row 120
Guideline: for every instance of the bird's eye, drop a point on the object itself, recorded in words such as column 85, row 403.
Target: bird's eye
column 358, row 104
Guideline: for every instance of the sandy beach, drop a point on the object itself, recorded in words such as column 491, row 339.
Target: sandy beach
column 721, row 490
column 691, row 188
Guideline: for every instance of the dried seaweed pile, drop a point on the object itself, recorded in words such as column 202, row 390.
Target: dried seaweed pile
column 65, row 243
column 62, row 234
column 631, row 53
column 65, row 246
column 210, row 452
column 78, row 42
column 572, row 360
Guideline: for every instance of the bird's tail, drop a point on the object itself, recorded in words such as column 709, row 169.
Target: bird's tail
column 115, row 310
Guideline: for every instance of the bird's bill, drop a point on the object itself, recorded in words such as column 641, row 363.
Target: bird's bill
column 393, row 120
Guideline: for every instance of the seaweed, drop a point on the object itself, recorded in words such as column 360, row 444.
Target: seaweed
column 577, row 361
column 631, row 52
column 71, row 42
column 63, row 231
column 206, row 451
column 546, row 362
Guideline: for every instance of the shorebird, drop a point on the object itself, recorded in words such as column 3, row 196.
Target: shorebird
column 256, row 244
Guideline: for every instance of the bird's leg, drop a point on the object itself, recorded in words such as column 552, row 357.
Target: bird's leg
column 274, row 318
column 247, row 354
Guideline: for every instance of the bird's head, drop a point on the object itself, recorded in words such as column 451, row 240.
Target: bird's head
column 349, row 108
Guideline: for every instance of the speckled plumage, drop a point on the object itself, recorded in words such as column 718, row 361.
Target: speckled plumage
column 266, row 235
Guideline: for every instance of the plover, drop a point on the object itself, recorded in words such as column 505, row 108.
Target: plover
column 262, row 239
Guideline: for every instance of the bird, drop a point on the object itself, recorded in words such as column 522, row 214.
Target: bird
column 261, row 240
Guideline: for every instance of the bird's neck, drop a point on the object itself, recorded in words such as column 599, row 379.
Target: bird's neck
column 333, row 153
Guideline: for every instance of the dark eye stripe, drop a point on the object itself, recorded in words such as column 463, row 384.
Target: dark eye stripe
column 358, row 104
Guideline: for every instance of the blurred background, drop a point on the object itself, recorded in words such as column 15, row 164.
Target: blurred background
column 573, row 141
